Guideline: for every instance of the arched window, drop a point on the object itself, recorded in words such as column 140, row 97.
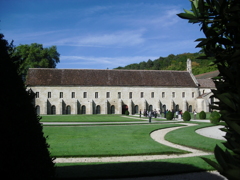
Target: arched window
column 190, row 108
column 98, row 109
column 68, row 110
column 150, row 108
column 112, row 109
column 83, row 109
column 177, row 107
column 164, row 108
column 53, row 109
column 136, row 109
column 38, row 109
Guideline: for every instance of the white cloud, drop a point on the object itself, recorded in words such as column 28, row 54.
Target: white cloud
column 110, row 62
column 118, row 39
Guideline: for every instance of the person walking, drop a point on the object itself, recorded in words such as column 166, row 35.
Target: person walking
column 155, row 113
column 140, row 113
column 195, row 114
column 150, row 116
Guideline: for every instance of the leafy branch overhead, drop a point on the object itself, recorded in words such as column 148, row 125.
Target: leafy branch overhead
column 35, row 56
column 220, row 22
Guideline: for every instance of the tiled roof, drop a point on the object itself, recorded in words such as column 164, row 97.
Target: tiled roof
column 206, row 83
column 90, row 77
column 207, row 75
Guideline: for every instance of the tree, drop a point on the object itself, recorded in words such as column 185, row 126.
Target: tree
column 24, row 148
column 35, row 56
column 220, row 23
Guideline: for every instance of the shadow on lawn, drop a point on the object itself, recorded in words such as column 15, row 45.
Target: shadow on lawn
column 124, row 170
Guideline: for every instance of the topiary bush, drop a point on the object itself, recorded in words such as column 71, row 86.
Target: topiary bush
column 186, row 116
column 127, row 113
column 202, row 115
column 169, row 115
column 215, row 117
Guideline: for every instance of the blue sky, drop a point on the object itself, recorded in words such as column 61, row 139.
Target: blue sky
column 101, row 34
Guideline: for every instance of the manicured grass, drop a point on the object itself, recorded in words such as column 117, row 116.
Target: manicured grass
column 132, row 169
column 117, row 140
column 188, row 137
column 86, row 118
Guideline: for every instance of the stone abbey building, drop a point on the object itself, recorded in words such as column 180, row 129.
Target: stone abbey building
column 88, row 91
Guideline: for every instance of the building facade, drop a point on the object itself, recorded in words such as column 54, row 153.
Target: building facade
column 86, row 91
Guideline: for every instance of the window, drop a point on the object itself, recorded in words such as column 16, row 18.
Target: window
column 73, row 94
column 96, row 94
column 136, row 109
column 173, row 94
column 98, row 110
column 119, row 95
column 130, row 95
column 141, row 95
column 37, row 94
column 61, row 94
column 38, row 109
column 108, row 94
column 68, row 110
column 183, row 94
column 152, row 94
column 83, row 109
column 112, row 109
column 53, row 109
column 84, row 94
column 49, row 94
column 163, row 94
column 192, row 94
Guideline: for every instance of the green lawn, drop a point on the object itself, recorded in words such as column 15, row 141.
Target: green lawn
column 115, row 140
column 188, row 137
column 119, row 140
column 86, row 118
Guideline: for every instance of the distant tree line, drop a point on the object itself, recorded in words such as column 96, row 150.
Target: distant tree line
column 175, row 62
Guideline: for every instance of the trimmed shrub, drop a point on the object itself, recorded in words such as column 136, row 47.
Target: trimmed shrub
column 186, row 116
column 127, row 113
column 215, row 117
column 169, row 115
column 202, row 115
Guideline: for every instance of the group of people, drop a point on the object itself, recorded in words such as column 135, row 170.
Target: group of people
column 176, row 114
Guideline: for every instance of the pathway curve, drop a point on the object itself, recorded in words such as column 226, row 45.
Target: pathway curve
column 158, row 136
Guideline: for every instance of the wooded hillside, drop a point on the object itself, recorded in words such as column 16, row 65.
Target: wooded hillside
column 175, row 62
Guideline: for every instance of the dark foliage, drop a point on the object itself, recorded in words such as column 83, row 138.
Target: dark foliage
column 215, row 117
column 220, row 23
column 127, row 113
column 24, row 148
column 175, row 62
column 169, row 115
column 186, row 116
column 202, row 115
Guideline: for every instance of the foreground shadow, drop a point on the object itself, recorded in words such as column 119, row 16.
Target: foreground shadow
column 127, row 170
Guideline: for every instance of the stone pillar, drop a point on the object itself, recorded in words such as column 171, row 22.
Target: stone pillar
column 106, row 107
column 76, row 107
column 158, row 105
column 60, row 107
column 184, row 106
column 91, row 107
column 45, row 107
column 120, row 106
column 130, row 107
column 145, row 105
